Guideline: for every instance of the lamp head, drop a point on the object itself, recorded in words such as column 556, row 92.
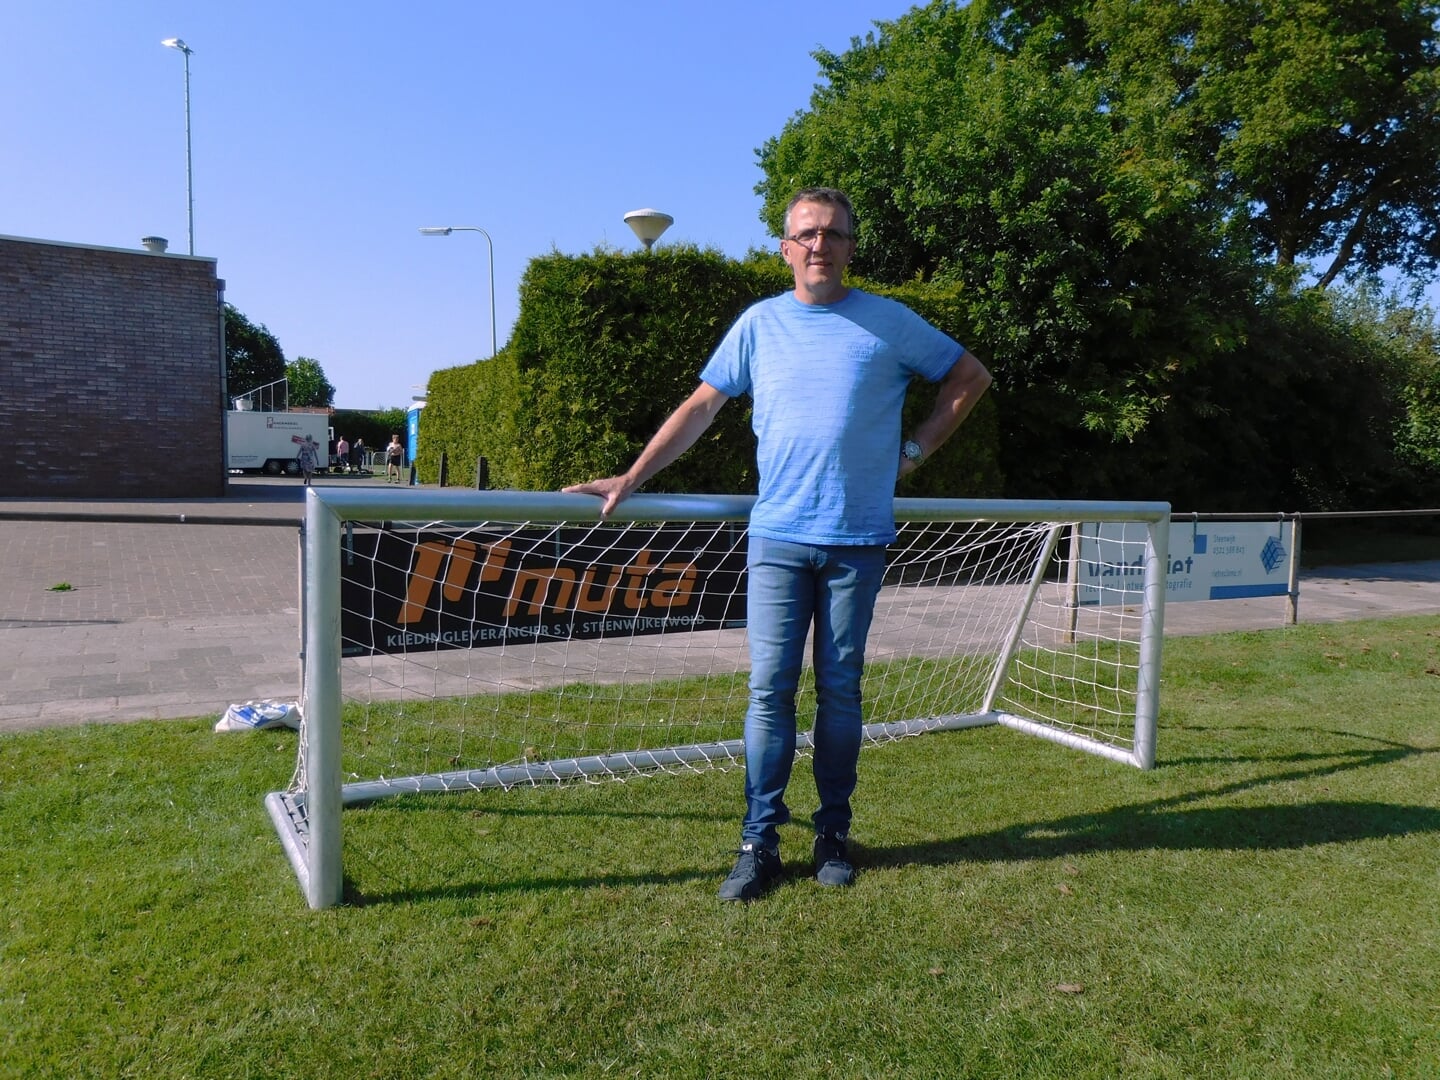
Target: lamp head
column 176, row 43
column 437, row 230
column 648, row 224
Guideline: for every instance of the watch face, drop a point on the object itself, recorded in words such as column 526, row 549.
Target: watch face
column 911, row 450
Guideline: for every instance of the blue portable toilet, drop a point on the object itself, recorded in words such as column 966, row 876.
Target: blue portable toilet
column 412, row 431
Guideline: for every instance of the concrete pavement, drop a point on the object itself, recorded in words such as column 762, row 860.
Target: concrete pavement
column 159, row 620
column 164, row 620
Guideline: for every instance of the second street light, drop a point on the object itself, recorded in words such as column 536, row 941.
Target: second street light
column 446, row 230
column 176, row 43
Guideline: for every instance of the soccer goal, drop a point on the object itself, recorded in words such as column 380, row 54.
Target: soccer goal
column 464, row 640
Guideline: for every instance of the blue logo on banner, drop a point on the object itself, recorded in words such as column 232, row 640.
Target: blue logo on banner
column 1272, row 555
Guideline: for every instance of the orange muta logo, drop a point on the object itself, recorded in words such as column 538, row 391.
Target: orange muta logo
column 638, row 587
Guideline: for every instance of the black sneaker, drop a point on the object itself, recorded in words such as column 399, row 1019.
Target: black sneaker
column 832, row 862
column 756, row 870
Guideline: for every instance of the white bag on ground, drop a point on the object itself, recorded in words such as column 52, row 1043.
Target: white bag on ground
column 260, row 715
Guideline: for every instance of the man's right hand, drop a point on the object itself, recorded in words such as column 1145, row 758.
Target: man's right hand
column 612, row 489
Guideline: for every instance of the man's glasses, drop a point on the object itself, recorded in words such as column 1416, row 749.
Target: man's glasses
column 810, row 237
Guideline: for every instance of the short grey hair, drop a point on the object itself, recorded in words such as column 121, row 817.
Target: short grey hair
column 827, row 196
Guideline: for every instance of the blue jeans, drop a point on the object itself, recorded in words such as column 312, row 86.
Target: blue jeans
column 792, row 586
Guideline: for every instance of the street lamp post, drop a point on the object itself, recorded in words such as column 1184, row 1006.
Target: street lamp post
column 446, row 230
column 176, row 43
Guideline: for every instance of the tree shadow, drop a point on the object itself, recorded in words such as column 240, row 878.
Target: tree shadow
column 412, row 804
column 1170, row 823
column 1140, row 828
column 462, row 890
column 1175, row 823
column 1377, row 752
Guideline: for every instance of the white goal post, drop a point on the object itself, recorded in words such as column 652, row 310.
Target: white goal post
column 460, row 640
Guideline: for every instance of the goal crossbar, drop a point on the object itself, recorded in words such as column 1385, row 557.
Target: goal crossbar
column 308, row 816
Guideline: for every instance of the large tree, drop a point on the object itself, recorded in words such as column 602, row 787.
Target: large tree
column 1097, row 266
column 308, row 385
column 1109, row 180
column 1318, row 120
column 1113, row 184
column 1311, row 127
column 252, row 355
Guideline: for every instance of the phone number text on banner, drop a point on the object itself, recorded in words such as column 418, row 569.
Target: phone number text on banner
column 1219, row 560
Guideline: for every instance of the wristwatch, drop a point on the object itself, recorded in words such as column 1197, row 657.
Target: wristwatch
column 910, row 450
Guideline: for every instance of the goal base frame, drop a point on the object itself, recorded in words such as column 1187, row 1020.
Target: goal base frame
column 308, row 823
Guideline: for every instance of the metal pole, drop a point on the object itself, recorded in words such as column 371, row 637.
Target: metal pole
column 1152, row 638
column 1292, row 587
column 1001, row 672
column 490, row 248
column 490, row 251
column 325, row 884
column 224, row 389
column 185, row 50
column 446, row 230
column 189, row 181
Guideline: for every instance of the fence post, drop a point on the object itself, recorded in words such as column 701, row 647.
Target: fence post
column 1292, row 598
column 482, row 474
column 1072, row 583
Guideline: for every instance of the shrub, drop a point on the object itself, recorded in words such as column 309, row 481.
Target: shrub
column 608, row 344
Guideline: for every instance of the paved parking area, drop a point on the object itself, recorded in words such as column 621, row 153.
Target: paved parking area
column 154, row 618
column 165, row 619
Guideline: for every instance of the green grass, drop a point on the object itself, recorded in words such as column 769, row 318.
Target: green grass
column 1262, row 904
column 403, row 738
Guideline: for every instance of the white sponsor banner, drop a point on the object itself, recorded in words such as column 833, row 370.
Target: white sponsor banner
column 1212, row 560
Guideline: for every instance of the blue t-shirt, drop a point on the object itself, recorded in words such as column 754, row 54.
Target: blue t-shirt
column 828, row 382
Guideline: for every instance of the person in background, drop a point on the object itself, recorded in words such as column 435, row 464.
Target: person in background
column 827, row 368
column 342, row 454
column 308, row 458
column 394, row 455
column 357, row 454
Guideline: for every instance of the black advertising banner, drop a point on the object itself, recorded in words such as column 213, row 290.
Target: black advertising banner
column 453, row 589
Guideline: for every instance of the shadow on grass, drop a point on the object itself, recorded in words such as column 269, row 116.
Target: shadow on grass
column 461, row 890
column 431, row 804
column 412, row 804
column 1140, row 828
column 1377, row 752
column 1173, row 823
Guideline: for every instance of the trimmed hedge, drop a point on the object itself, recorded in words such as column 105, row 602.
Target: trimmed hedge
column 608, row 344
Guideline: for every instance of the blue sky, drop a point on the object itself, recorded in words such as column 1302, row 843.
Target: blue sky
column 325, row 135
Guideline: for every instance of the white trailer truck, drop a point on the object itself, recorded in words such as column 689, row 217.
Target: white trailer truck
column 269, row 442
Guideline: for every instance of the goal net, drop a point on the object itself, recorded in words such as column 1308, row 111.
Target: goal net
column 459, row 640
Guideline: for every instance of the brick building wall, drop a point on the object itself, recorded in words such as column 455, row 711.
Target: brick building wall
column 111, row 372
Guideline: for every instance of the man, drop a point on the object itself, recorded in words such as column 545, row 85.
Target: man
column 827, row 368
column 342, row 454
